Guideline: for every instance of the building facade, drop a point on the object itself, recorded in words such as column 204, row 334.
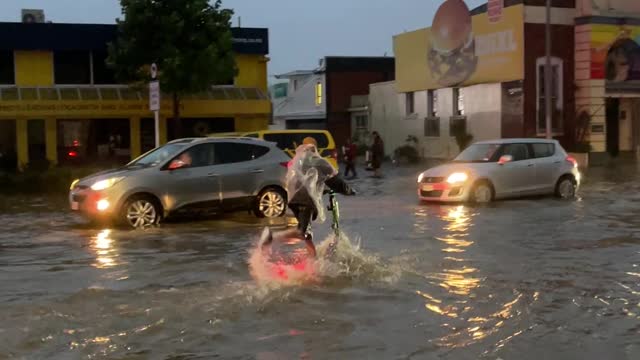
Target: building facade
column 487, row 76
column 59, row 102
column 321, row 98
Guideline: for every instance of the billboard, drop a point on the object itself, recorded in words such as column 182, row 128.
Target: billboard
column 615, row 52
column 460, row 49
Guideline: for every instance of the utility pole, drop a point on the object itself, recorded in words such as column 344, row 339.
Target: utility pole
column 548, row 87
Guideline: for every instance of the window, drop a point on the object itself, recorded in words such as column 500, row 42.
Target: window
column 543, row 150
column 432, row 103
column 7, row 70
column 101, row 73
column 518, row 151
column 230, row 152
column 478, row 153
column 555, row 92
column 197, row 156
column 410, row 103
column 432, row 127
column 458, row 102
column 318, row 94
column 71, row 67
column 457, row 126
column 362, row 122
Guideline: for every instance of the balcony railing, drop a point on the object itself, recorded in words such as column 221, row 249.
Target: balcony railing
column 119, row 92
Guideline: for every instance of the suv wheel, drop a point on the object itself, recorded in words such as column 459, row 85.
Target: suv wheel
column 271, row 203
column 141, row 212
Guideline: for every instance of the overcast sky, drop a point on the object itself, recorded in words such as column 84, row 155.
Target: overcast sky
column 301, row 31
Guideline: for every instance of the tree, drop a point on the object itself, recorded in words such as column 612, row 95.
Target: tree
column 190, row 41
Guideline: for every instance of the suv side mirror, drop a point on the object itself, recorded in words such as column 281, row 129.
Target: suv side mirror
column 505, row 159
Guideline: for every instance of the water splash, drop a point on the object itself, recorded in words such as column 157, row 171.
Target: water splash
column 337, row 261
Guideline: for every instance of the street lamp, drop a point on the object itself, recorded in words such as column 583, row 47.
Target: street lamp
column 547, row 72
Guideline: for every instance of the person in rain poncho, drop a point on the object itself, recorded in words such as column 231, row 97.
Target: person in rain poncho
column 306, row 179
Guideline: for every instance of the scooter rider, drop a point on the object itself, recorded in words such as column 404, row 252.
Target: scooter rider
column 306, row 179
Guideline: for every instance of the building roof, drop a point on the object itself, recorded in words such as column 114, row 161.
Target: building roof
column 295, row 73
column 57, row 36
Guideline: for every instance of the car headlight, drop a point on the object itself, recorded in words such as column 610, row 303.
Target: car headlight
column 420, row 177
column 74, row 183
column 105, row 184
column 457, row 178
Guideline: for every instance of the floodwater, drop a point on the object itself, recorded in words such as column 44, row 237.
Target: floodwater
column 524, row 279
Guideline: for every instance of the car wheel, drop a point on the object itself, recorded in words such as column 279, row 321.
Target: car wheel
column 482, row 193
column 566, row 188
column 271, row 203
column 141, row 212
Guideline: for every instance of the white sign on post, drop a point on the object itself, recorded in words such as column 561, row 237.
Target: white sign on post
column 154, row 96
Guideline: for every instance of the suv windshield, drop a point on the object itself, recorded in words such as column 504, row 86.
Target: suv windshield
column 478, row 153
column 159, row 155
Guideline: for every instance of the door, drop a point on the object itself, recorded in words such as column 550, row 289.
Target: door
column 518, row 176
column 241, row 171
column 546, row 165
column 197, row 183
column 613, row 126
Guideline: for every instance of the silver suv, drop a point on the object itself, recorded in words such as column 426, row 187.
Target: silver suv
column 185, row 175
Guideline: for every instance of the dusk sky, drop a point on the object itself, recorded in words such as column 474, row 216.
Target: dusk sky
column 301, row 31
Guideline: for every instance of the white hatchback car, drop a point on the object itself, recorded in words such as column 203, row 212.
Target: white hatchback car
column 500, row 169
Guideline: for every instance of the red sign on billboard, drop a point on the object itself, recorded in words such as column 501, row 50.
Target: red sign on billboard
column 494, row 10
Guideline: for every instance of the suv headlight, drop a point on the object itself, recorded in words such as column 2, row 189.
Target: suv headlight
column 420, row 177
column 105, row 184
column 458, row 177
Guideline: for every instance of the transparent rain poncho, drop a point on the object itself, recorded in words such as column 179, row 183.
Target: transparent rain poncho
column 306, row 176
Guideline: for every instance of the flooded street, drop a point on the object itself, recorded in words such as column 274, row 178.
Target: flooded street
column 524, row 279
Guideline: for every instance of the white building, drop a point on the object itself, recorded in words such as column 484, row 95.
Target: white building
column 303, row 107
column 430, row 115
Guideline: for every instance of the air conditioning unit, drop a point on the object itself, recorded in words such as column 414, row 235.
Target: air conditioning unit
column 32, row 16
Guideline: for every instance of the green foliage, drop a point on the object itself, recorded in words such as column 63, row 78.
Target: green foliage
column 190, row 41
column 407, row 152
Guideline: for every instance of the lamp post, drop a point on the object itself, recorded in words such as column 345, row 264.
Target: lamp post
column 548, row 90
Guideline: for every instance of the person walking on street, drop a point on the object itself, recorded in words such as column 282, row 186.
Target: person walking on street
column 349, row 151
column 377, row 154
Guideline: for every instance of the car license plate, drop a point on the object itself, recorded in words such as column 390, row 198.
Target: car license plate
column 427, row 187
column 75, row 205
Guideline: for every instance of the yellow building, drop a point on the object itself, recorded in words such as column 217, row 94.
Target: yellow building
column 59, row 102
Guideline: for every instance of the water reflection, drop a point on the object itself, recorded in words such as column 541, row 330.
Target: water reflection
column 460, row 304
column 105, row 251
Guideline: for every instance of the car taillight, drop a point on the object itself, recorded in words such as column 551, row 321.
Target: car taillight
column 573, row 161
column 72, row 153
column 286, row 164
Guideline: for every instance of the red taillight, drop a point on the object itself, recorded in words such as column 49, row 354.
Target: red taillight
column 286, row 164
column 72, row 153
column 76, row 143
column 572, row 160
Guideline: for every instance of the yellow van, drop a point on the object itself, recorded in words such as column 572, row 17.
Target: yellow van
column 288, row 140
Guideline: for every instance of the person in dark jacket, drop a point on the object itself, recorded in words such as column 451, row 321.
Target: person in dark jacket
column 307, row 177
column 377, row 154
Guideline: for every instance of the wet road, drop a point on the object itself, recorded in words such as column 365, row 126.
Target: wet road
column 525, row 279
